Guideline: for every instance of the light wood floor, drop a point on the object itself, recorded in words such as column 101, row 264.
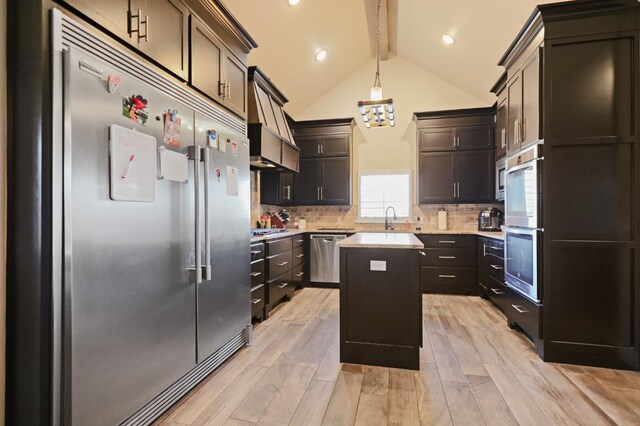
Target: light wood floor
column 474, row 370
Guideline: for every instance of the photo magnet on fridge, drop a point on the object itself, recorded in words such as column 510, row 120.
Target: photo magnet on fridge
column 135, row 109
column 172, row 128
column 212, row 138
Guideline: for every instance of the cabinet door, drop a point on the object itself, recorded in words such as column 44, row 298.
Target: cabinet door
column 336, row 181
column 165, row 35
column 337, row 145
column 285, row 188
column 111, row 14
column 514, row 112
column 474, row 176
column 480, row 137
column 531, row 99
column 235, row 76
column 436, row 139
column 483, row 267
column 436, row 177
column 269, row 182
column 206, row 60
column 501, row 129
column 309, row 146
column 308, row 182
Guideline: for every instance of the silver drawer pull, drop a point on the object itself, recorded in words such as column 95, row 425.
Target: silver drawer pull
column 256, row 274
column 299, row 241
column 495, row 248
column 520, row 309
column 447, row 242
column 282, row 264
column 422, row 253
column 496, row 267
column 446, row 276
column 299, row 255
column 497, row 292
column 256, row 301
column 256, row 251
column 299, row 274
column 446, row 257
column 283, row 285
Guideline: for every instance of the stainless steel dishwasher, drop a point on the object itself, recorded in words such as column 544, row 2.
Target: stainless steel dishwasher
column 325, row 258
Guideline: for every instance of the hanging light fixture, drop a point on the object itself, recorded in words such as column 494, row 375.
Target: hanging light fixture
column 377, row 112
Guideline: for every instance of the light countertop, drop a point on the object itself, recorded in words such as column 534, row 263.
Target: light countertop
column 393, row 240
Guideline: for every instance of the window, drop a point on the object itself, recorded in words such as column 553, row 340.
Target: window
column 382, row 189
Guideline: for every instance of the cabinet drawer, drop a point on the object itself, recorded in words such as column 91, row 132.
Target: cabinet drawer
column 280, row 287
column 298, row 274
column 445, row 240
column 257, row 272
column 449, row 257
column 495, row 247
column 525, row 314
column 257, row 251
column 448, row 280
column 279, row 246
column 299, row 240
column 496, row 267
column 279, row 264
column 257, row 301
column 499, row 294
column 298, row 255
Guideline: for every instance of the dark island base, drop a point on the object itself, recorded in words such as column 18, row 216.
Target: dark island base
column 380, row 311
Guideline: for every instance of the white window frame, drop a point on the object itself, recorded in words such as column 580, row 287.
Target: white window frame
column 378, row 173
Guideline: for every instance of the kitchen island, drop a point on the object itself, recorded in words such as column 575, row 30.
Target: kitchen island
column 381, row 300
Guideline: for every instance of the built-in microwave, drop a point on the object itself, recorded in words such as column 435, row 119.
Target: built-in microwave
column 501, row 176
column 523, row 189
column 523, row 261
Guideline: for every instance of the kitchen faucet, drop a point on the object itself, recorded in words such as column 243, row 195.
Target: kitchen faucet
column 387, row 223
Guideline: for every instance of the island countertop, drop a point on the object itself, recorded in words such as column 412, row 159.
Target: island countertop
column 394, row 240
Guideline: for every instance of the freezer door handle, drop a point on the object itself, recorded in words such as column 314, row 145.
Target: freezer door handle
column 196, row 272
column 207, row 216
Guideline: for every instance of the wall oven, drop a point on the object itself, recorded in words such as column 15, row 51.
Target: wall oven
column 523, row 261
column 523, row 192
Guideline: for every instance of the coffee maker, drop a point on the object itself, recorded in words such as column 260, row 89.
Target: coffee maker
column 490, row 219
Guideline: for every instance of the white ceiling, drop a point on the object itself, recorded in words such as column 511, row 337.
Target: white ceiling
column 288, row 37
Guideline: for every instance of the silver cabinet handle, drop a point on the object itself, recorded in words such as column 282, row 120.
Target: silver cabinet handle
column 496, row 267
column 497, row 292
column 523, row 129
column 256, row 301
column 228, row 92
column 139, row 23
column 282, row 263
column 495, row 248
column 484, row 250
column 299, row 274
column 207, row 216
column 446, row 276
column 256, row 274
column 458, row 186
column 299, row 241
column 283, row 285
column 318, row 148
column 446, row 257
column 288, row 192
column 256, row 251
column 321, row 149
column 319, row 194
column 520, row 309
column 454, row 190
column 222, row 89
column 145, row 21
column 196, row 273
column 515, row 132
column 447, row 242
column 322, row 193
column 422, row 253
column 299, row 255
column 503, row 137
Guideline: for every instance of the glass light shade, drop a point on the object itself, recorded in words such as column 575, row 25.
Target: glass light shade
column 376, row 93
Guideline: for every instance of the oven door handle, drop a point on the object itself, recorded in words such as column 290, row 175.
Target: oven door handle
column 530, row 163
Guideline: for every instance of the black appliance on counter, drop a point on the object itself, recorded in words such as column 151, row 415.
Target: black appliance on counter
column 490, row 219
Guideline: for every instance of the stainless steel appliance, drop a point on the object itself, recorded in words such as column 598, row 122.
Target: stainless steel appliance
column 523, row 192
column 523, row 261
column 490, row 219
column 152, row 296
column 501, row 176
column 325, row 258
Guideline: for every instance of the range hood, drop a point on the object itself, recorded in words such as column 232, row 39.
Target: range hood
column 272, row 144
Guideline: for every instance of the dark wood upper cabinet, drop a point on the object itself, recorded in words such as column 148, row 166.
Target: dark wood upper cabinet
column 235, row 84
column 436, row 177
column 475, row 176
column 206, row 60
column 113, row 15
column 336, row 181
column 335, row 145
column 514, row 113
column 308, row 182
column 530, row 128
column 437, row 139
column 277, row 188
column 475, row 137
column 500, row 135
column 309, row 146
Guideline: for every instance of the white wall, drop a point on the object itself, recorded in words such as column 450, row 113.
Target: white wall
column 413, row 90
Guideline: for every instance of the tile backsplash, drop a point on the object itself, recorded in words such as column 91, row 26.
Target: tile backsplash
column 459, row 216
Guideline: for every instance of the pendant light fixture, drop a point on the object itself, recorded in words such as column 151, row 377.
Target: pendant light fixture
column 377, row 112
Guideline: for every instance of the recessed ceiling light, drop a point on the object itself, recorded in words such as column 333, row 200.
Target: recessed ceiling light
column 447, row 39
column 321, row 54
column 294, row 2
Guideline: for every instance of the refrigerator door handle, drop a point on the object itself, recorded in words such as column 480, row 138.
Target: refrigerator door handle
column 196, row 272
column 207, row 216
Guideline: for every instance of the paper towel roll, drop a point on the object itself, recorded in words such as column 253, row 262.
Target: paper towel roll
column 442, row 220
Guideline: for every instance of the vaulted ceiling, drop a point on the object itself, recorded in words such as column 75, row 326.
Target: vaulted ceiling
column 289, row 36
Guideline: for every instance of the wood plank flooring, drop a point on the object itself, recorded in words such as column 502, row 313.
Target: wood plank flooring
column 474, row 371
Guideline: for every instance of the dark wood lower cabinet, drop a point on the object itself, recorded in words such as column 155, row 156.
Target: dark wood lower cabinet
column 448, row 264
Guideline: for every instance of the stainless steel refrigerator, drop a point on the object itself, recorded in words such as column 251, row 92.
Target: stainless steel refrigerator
column 153, row 291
